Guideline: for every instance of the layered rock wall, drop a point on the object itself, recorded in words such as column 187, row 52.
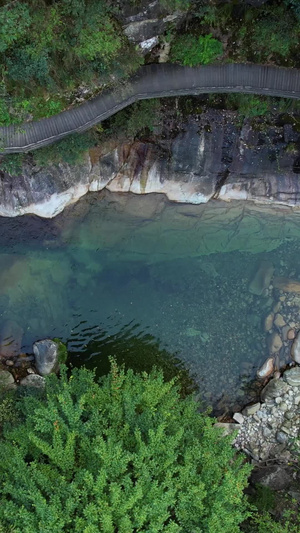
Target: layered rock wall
column 211, row 156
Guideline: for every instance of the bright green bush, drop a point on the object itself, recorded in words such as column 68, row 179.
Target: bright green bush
column 126, row 456
column 192, row 51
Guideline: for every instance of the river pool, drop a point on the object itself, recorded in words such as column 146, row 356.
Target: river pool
column 150, row 282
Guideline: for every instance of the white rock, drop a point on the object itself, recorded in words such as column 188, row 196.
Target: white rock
column 238, row 417
column 266, row 369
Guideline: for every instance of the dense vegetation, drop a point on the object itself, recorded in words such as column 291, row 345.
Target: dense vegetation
column 48, row 49
column 129, row 455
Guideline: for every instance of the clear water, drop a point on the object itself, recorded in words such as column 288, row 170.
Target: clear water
column 150, row 282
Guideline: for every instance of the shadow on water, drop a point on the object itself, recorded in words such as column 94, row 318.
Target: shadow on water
column 93, row 346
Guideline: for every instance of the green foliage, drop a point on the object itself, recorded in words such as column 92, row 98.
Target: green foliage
column 4, row 112
column 102, row 42
column 265, row 523
column 70, row 150
column 248, row 105
column 14, row 22
column 48, row 48
column 192, row 51
column 127, row 456
column 263, row 499
column 62, row 351
column 136, row 119
column 12, row 164
column 274, row 34
column 174, row 5
column 7, row 407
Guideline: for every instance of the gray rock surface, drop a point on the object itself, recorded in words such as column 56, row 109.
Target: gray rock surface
column 6, row 380
column 46, row 356
column 269, row 432
column 251, row 409
column 33, row 380
column 296, row 348
column 207, row 156
column 275, row 477
column 292, row 376
column 274, row 389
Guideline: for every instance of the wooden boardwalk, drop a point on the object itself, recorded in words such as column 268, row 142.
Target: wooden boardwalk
column 152, row 81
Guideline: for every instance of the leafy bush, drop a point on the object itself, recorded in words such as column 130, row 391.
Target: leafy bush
column 274, row 33
column 192, row 51
column 127, row 456
column 136, row 119
column 248, row 105
column 12, row 163
column 50, row 47
column 70, row 150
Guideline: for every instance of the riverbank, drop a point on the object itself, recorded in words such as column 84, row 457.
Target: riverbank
column 192, row 159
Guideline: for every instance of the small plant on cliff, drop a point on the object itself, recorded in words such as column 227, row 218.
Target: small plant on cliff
column 129, row 455
column 191, row 51
column 70, row 150
column 12, row 164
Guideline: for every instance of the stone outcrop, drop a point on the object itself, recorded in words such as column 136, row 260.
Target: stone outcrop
column 209, row 156
column 46, row 356
column 143, row 22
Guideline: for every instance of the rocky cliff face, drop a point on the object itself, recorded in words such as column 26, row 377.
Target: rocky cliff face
column 210, row 157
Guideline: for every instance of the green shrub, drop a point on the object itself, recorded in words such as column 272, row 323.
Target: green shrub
column 70, row 150
column 12, row 164
column 191, row 51
column 249, row 105
column 274, row 33
column 136, row 119
column 127, row 456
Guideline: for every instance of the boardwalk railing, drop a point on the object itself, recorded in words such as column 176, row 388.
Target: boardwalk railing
column 152, row 81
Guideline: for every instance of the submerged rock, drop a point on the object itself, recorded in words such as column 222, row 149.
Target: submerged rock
column 295, row 352
column 11, row 336
column 286, row 284
column 266, row 369
column 262, row 278
column 46, row 354
column 269, row 322
column 275, row 343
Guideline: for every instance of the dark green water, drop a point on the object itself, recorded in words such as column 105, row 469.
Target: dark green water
column 150, row 282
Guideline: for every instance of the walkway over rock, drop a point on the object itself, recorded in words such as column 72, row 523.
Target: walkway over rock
column 152, row 81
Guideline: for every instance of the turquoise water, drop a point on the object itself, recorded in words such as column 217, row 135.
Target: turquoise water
column 150, row 282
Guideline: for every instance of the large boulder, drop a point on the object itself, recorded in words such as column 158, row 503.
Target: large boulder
column 46, row 354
